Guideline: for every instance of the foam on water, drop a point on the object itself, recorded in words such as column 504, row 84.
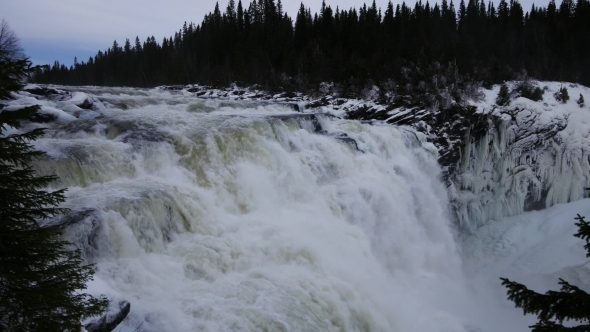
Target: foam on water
column 223, row 216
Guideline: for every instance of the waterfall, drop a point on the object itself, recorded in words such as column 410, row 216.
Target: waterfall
column 212, row 215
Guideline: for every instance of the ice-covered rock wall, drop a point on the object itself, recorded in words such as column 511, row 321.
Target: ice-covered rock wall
column 503, row 160
column 533, row 155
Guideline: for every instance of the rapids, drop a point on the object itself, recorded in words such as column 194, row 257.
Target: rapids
column 212, row 215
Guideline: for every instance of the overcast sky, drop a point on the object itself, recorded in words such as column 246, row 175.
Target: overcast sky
column 62, row 29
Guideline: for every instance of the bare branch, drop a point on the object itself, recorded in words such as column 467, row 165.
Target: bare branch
column 9, row 43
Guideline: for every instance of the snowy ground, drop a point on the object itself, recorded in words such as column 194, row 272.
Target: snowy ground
column 535, row 248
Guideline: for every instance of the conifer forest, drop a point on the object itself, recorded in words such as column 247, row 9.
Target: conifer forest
column 258, row 43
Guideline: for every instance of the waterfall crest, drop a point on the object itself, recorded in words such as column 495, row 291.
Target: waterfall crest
column 213, row 215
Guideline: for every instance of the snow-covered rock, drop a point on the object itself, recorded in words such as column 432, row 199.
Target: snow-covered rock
column 43, row 92
column 116, row 312
column 79, row 99
column 46, row 113
column 40, row 91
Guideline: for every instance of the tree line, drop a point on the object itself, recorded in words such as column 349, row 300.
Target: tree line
column 261, row 44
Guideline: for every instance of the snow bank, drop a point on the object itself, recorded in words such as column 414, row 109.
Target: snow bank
column 535, row 248
column 533, row 243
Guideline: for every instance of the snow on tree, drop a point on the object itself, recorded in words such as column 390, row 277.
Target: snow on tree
column 562, row 95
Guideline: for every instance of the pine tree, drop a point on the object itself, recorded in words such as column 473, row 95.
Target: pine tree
column 40, row 278
column 503, row 98
column 580, row 101
column 554, row 307
column 562, row 95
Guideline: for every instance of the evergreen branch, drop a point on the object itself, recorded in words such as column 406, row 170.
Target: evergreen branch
column 583, row 232
column 570, row 303
column 548, row 326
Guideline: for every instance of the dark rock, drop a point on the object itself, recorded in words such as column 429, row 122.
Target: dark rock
column 74, row 217
column 368, row 113
column 349, row 140
column 173, row 87
column 445, row 128
column 115, row 314
column 318, row 103
column 122, row 106
column 42, row 91
column 339, row 101
column 43, row 118
column 135, row 138
column 313, row 118
column 86, row 104
column 131, row 132
column 530, row 204
column 60, row 97
column 82, row 228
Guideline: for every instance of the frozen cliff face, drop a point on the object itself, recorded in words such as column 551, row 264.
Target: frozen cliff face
column 500, row 161
column 533, row 155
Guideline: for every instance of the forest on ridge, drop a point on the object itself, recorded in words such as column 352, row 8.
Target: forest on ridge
column 352, row 48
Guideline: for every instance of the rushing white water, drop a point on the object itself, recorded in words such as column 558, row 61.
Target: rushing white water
column 232, row 216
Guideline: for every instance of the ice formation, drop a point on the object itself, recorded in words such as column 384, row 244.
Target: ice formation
column 533, row 155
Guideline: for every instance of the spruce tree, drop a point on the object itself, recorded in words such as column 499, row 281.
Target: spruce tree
column 554, row 307
column 562, row 95
column 580, row 101
column 503, row 98
column 41, row 279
